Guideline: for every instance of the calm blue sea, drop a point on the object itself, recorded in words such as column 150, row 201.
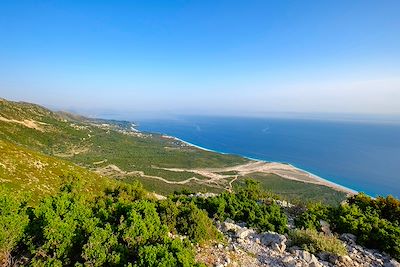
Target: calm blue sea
column 361, row 156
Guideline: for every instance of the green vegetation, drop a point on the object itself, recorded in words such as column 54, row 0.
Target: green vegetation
column 94, row 220
column 375, row 222
column 295, row 191
column 100, row 145
column 13, row 222
column 38, row 175
column 315, row 242
column 121, row 227
column 249, row 204
column 167, row 189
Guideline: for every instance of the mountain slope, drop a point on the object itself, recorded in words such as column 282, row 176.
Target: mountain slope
column 24, row 170
column 115, row 149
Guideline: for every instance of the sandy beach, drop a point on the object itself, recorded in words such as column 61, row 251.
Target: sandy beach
column 284, row 170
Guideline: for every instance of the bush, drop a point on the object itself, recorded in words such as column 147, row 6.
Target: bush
column 375, row 222
column 311, row 218
column 168, row 211
column 13, row 221
column 195, row 224
column 172, row 253
column 316, row 242
column 246, row 206
column 59, row 227
column 119, row 228
column 371, row 230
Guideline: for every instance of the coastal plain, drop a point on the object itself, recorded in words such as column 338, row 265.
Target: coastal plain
column 117, row 150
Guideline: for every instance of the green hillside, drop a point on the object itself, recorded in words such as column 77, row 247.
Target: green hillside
column 26, row 171
column 111, row 148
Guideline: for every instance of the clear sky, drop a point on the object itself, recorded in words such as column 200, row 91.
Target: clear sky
column 203, row 57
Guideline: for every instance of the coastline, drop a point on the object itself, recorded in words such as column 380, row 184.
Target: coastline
column 317, row 179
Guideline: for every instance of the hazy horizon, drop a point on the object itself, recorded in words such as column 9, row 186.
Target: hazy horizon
column 220, row 58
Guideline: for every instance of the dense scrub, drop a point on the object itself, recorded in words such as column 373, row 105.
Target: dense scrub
column 248, row 204
column 123, row 227
column 375, row 222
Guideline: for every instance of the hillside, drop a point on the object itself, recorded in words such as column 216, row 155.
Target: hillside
column 26, row 171
column 163, row 164
column 86, row 207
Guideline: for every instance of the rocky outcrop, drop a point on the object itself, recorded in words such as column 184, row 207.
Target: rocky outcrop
column 246, row 247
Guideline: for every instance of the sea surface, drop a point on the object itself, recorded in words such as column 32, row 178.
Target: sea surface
column 359, row 155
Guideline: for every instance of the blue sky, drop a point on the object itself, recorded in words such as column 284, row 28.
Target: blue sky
column 202, row 57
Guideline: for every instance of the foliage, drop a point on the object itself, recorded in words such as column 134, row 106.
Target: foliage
column 24, row 170
column 172, row 253
column 311, row 218
column 168, row 211
column 370, row 227
column 121, row 227
column 295, row 191
column 245, row 206
column 316, row 242
column 375, row 222
column 194, row 223
column 98, row 144
column 13, row 221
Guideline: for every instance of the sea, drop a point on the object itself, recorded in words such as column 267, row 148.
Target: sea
column 362, row 156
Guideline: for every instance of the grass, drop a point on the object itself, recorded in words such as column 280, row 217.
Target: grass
column 316, row 242
column 23, row 170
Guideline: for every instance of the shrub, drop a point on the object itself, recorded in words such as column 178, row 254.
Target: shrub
column 142, row 225
column 101, row 247
column 170, row 254
column 13, row 221
column 371, row 230
column 375, row 222
column 195, row 223
column 316, row 242
column 168, row 211
column 59, row 226
column 311, row 218
column 246, row 206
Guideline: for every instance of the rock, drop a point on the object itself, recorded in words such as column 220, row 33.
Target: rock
column 325, row 263
column 349, row 238
column 325, row 227
column 346, row 260
column 284, row 204
column 333, row 258
column 289, row 261
column 392, row 263
column 229, row 220
column 323, row 256
column 294, row 249
column 228, row 226
column 274, row 240
column 244, row 232
column 309, row 258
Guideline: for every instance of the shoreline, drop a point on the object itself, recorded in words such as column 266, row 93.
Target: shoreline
column 318, row 179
